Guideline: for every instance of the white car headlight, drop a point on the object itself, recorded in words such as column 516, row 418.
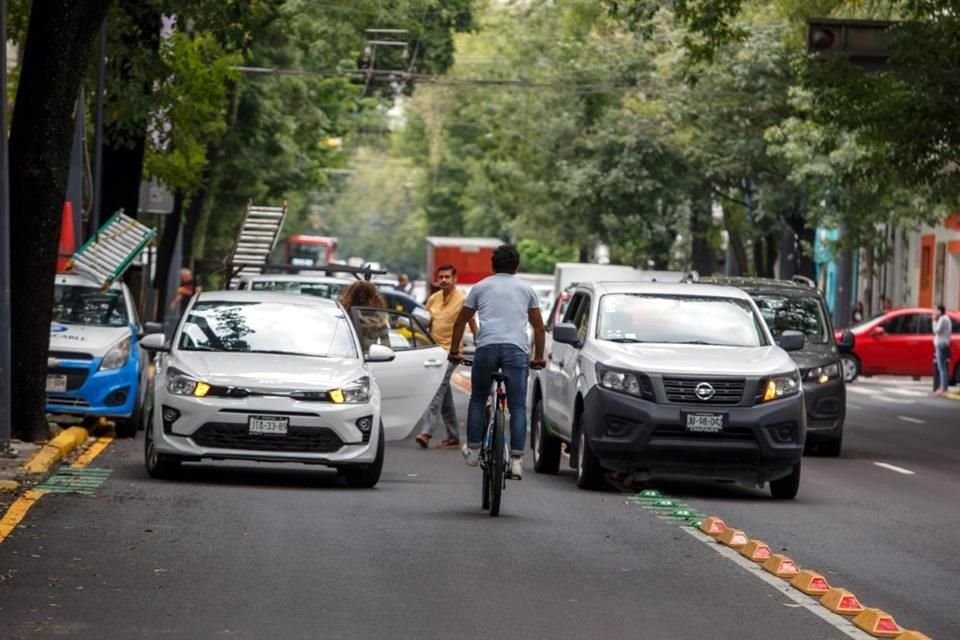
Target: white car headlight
column 117, row 356
column 825, row 373
column 356, row 392
column 783, row 386
column 622, row 381
column 180, row 384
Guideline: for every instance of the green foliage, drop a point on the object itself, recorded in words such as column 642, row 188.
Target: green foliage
column 536, row 258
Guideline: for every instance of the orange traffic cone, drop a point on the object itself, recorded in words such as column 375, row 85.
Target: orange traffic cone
column 68, row 239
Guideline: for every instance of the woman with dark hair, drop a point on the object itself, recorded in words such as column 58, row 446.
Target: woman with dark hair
column 373, row 327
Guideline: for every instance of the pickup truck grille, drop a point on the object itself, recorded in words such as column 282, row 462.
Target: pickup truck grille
column 684, row 390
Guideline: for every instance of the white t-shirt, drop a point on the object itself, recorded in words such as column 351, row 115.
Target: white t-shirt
column 503, row 302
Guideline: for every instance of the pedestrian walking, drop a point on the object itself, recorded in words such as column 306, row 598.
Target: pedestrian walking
column 858, row 313
column 942, row 327
column 404, row 284
column 185, row 290
column 444, row 306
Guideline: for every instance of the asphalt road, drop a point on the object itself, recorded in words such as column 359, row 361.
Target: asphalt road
column 254, row 551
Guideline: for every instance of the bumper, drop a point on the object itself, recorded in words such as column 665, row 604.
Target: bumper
column 826, row 406
column 112, row 393
column 634, row 435
column 218, row 429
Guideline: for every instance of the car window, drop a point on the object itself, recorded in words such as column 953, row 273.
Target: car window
column 676, row 319
column 573, row 307
column 794, row 313
column 393, row 329
column 74, row 304
column 925, row 323
column 583, row 319
column 956, row 324
column 894, row 324
column 328, row 290
column 267, row 327
column 908, row 323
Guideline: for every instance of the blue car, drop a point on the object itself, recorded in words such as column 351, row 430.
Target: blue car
column 95, row 365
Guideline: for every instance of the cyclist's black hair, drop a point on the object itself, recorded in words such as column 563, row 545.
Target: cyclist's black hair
column 447, row 267
column 505, row 259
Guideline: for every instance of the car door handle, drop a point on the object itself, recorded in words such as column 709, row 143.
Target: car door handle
column 433, row 364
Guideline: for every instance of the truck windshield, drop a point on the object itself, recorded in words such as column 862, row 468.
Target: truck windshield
column 793, row 313
column 308, row 255
column 74, row 304
column 674, row 319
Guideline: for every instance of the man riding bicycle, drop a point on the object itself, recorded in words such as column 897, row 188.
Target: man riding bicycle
column 505, row 304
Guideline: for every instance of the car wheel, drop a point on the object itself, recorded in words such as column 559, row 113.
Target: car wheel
column 546, row 448
column 128, row 427
column 851, row 367
column 786, row 488
column 589, row 471
column 368, row 475
column 158, row 465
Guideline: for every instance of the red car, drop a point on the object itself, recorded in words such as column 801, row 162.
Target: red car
column 897, row 342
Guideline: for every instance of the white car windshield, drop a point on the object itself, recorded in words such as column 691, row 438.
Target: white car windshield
column 673, row 319
column 267, row 327
column 74, row 304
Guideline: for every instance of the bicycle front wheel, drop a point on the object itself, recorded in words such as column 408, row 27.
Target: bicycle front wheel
column 497, row 464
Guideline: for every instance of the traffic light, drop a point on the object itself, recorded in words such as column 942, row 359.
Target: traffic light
column 865, row 42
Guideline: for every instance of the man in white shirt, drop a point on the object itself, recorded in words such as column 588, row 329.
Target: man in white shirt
column 942, row 328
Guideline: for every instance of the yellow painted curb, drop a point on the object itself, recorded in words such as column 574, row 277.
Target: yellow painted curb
column 9, row 485
column 952, row 396
column 55, row 450
column 17, row 511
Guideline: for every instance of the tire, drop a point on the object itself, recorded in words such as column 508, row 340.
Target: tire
column 589, row 471
column 368, row 475
column 158, row 465
column 786, row 488
column 497, row 463
column 851, row 367
column 546, row 448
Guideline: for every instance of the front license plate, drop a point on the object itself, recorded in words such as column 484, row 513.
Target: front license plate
column 705, row 422
column 268, row 424
column 56, row 383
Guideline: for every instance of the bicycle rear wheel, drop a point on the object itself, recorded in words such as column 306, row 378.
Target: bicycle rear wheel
column 497, row 462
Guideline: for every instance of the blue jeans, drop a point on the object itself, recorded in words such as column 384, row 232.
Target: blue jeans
column 943, row 362
column 515, row 364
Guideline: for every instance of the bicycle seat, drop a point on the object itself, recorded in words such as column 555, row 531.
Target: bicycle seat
column 498, row 376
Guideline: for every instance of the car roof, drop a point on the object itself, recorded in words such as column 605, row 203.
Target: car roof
column 669, row 289
column 77, row 280
column 294, row 277
column 799, row 286
column 265, row 296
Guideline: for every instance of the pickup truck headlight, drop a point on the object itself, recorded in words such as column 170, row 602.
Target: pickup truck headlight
column 117, row 356
column 825, row 373
column 782, row 386
column 622, row 381
column 356, row 392
column 180, row 384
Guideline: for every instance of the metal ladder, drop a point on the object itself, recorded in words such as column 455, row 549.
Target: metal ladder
column 109, row 253
column 258, row 236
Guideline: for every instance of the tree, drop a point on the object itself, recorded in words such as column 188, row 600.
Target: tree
column 58, row 47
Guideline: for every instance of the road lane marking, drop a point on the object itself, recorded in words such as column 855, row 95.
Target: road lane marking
column 843, row 625
column 893, row 467
column 895, row 400
column 913, row 420
column 853, row 405
column 17, row 511
column 864, row 390
column 909, row 392
column 95, row 449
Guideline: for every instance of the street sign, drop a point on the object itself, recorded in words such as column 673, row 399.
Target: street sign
column 865, row 42
column 155, row 198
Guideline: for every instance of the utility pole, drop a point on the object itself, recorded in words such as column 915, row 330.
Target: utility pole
column 6, row 421
column 98, row 131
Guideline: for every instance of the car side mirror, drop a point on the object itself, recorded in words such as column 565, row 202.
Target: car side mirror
column 876, row 332
column 155, row 342
column 150, row 328
column 380, row 353
column 792, row 340
column 847, row 341
column 566, row 333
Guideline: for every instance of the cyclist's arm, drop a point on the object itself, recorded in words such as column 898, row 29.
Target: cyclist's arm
column 465, row 316
column 539, row 334
column 473, row 326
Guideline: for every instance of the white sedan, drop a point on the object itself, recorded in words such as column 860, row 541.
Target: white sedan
column 284, row 378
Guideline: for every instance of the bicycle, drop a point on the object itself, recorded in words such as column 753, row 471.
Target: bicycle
column 494, row 459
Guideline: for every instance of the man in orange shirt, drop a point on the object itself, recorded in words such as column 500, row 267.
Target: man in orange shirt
column 444, row 306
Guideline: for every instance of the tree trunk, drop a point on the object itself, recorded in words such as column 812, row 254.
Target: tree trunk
column 165, row 251
column 703, row 258
column 58, row 48
column 737, row 245
column 770, row 250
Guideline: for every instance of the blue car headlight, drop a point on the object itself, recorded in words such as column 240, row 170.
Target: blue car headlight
column 117, row 356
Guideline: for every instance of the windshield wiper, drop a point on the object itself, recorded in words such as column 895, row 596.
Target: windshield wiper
column 198, row 348
column 624, row 340
column 285, row 353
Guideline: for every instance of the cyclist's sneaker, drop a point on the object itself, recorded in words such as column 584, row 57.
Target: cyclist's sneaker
column 471, row 456
column 516, row 468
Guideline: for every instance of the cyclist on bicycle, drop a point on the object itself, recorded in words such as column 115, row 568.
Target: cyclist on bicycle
column 505, row 304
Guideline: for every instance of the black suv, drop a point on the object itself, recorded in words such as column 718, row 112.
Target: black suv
column 797, row 305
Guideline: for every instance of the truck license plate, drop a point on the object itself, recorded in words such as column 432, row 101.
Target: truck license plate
column 705, row 422
column 56, row 383
column 268, row 424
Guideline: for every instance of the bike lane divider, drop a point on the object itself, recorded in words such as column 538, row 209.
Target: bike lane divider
column 77, row 478
column 803, row 586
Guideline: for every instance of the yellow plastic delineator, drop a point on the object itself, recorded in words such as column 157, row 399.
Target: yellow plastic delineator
column 810, row 583
column 733, row 538
column 781, row 566
column 913, row 635
column 841, row 601
column 713, row 526
column 756, row 551
column 877, row 623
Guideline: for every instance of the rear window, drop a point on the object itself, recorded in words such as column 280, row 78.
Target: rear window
column 794, row 313
column 328, row 290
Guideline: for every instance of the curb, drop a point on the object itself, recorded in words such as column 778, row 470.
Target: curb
column 55, row 450
column 951, row 395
